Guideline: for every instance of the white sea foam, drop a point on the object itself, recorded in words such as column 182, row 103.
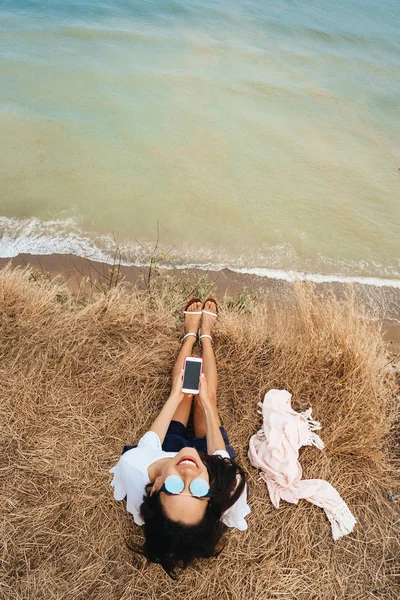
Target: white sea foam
column 57, row 236
column 33, row 236
column 318, row 277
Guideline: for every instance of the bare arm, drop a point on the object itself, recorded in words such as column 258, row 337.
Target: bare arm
column 161, row 423
column 215, row 441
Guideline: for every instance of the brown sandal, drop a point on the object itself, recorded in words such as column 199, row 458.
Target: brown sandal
column 191, row 312
column 207, row 312
column 189, row 304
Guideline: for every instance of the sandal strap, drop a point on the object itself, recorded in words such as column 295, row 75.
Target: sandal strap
column 191, row 312
column 207, row 312
column 205, row 335
column 188, row 334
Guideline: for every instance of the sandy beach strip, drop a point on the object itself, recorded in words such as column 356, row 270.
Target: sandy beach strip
column 382, row 302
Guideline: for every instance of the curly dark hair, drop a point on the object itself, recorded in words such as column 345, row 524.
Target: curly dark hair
column 175, row 545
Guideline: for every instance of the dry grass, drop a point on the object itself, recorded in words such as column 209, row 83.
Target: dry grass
column 79, row 380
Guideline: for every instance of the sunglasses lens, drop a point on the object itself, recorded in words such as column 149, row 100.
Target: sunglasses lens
column 174, row 484
column 199, row 487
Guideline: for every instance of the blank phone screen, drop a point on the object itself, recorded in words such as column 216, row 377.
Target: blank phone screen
column 191, row 375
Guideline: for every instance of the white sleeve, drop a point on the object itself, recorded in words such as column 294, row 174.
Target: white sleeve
column 234, row 516
column 222, row 453
column 129, row 482
column 130, row 474
column 150, row 441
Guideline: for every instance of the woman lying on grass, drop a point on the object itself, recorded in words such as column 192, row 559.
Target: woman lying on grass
column 185, row 491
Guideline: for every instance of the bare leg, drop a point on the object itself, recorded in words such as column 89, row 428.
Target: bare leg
column 210, row 371
column 182, row 413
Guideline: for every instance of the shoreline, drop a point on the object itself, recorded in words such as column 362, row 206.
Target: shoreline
column 383, row 300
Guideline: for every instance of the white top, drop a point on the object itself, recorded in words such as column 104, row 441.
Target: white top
column 131, row 477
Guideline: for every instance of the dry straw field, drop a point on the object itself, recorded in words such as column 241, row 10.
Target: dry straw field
column 80, row 378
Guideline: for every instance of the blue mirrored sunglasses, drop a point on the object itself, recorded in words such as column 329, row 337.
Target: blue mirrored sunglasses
column 175, row 485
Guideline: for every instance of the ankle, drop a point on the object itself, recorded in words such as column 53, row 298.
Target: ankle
column 206, row 333
column 206, row 342
column 190, row 340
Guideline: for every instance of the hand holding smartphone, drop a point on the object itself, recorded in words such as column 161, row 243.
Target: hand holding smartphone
column 191, row 375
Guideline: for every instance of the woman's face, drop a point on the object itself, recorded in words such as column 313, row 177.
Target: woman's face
column 180, row 507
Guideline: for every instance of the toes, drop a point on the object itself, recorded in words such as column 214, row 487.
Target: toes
column 192, row 321
column 211, row 306
column 195, row 307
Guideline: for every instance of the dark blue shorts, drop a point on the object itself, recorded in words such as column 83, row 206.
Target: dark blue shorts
column 176, row 438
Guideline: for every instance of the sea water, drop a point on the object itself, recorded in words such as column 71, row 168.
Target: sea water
column 259, row 135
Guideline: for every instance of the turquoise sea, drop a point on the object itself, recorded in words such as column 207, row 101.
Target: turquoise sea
column 262, row 136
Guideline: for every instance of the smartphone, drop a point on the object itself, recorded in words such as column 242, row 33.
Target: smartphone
column 191, row 375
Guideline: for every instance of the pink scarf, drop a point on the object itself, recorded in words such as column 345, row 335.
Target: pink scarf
column 275, row 450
